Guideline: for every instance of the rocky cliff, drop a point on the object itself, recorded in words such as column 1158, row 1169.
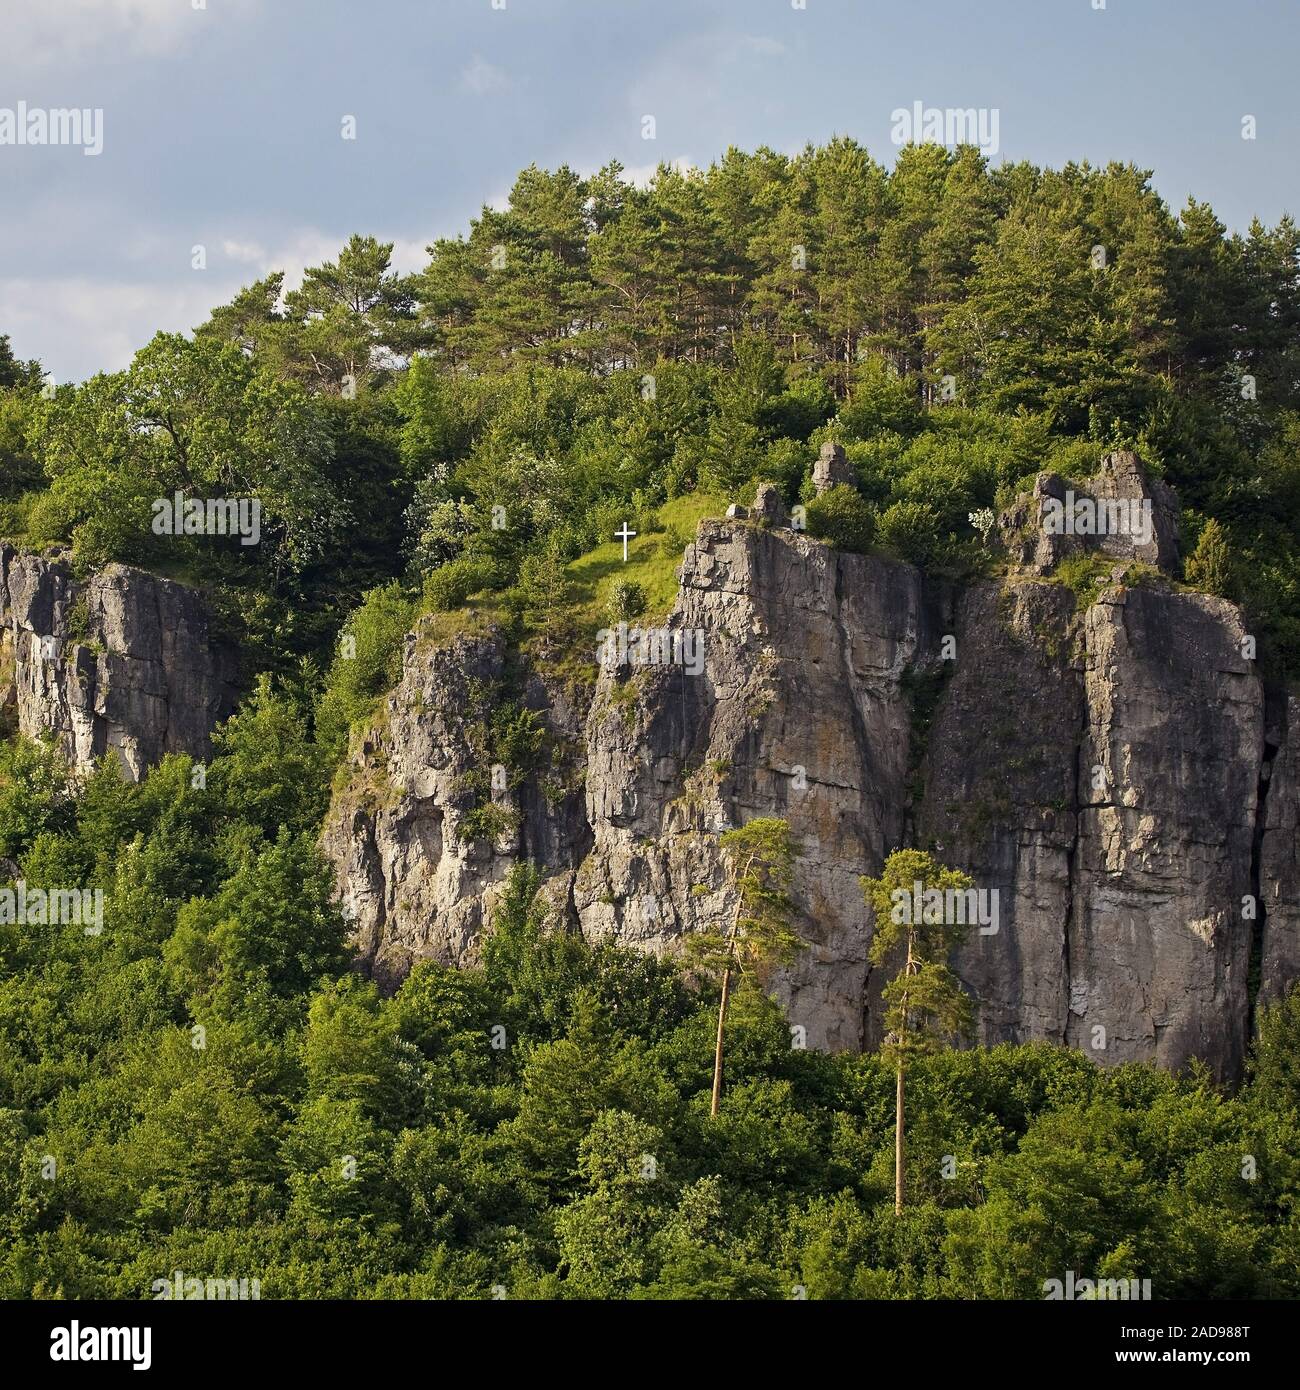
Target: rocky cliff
column 124, row 661
column 1102, row 757
column 1086, row 738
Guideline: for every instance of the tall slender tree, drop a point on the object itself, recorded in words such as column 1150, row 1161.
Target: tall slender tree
column 761, row 935
column 925, row 1006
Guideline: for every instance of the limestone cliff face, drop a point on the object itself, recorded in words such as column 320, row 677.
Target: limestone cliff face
column 124, row 661
column 1103, row 766
column 799, row 709
column 1102, row 773
column 1108, row 767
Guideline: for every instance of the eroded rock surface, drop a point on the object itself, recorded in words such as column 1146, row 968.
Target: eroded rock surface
column 1098, row 762
column 124, row 661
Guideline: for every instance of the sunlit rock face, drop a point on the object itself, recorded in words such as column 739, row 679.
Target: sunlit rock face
column 1106, row 764
column 125, row 661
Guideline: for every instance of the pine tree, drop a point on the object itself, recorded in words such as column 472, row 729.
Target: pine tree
column 538, row 299
column 348, row 314
column 849, row 211
column 924, row 1003
column 1207, row 293
column 1209, row 566
column 760, row 862
column 251, row 319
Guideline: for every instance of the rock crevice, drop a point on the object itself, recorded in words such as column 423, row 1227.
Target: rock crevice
column 1096, row 762
column 125, row 661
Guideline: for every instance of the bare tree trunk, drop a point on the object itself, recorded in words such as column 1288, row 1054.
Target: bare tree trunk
column 717, row 1052
column 898, row 1142
column 909, row 969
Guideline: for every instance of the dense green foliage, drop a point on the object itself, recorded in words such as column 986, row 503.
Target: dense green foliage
column 205, row 1086
column 597, row 347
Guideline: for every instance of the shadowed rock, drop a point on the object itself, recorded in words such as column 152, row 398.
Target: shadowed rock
column 1122, row 512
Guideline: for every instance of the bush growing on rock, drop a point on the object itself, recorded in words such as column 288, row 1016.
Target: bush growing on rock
column 841, row 515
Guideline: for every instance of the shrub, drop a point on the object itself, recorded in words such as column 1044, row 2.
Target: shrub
column 880, row 402
column 911, row 530
column 451, row 584
column 784, row 463
column 802, row 407
column 841, row 516
column 626, row 600
column 1209, row 566
column 367, row 665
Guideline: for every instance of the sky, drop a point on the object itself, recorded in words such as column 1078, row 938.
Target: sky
column 223, row 120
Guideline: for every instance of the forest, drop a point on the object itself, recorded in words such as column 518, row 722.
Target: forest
column 210, row 1087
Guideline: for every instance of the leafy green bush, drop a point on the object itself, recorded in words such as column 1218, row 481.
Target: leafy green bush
column 1209, row 566
column 451, row 584
column 626, row 601
column 840, row 515
column 368, row 663
column 911, row 530
column 880, row 402
column 35, row 794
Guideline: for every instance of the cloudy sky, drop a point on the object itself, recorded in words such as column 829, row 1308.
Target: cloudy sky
column 222, row 123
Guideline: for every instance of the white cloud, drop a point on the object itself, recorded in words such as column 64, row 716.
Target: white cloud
column 481, row 78
column 760, row 43
column 243, row 252
column 39, row 33
column 311, row 246
column 642, row 174
column 77, row 326
column 410, row 254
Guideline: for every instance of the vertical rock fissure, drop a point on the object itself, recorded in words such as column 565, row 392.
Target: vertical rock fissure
column 1071, row 864
column 167, row 684
column 860, row 739
column 1255, row 965
column 862, row 744
column 1071, row 859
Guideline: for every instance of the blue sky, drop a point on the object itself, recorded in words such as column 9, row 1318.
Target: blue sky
column 221, row 125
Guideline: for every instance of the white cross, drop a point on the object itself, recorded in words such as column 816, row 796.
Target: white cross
column 624, row 535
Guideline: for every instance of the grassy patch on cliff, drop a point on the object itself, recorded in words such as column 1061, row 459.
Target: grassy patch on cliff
column 1085, row 576
column 653, row 559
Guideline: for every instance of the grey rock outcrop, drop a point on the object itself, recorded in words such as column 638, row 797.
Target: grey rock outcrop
column 668, row 760
column 832, row 468
column 1101, row 772
column 124, row 661
column 1122, row 513
column 1100, row 767
column 417, row 881
column 769, row 506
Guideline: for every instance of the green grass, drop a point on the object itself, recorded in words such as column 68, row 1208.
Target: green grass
column 1086, row 575
column 653, row 558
